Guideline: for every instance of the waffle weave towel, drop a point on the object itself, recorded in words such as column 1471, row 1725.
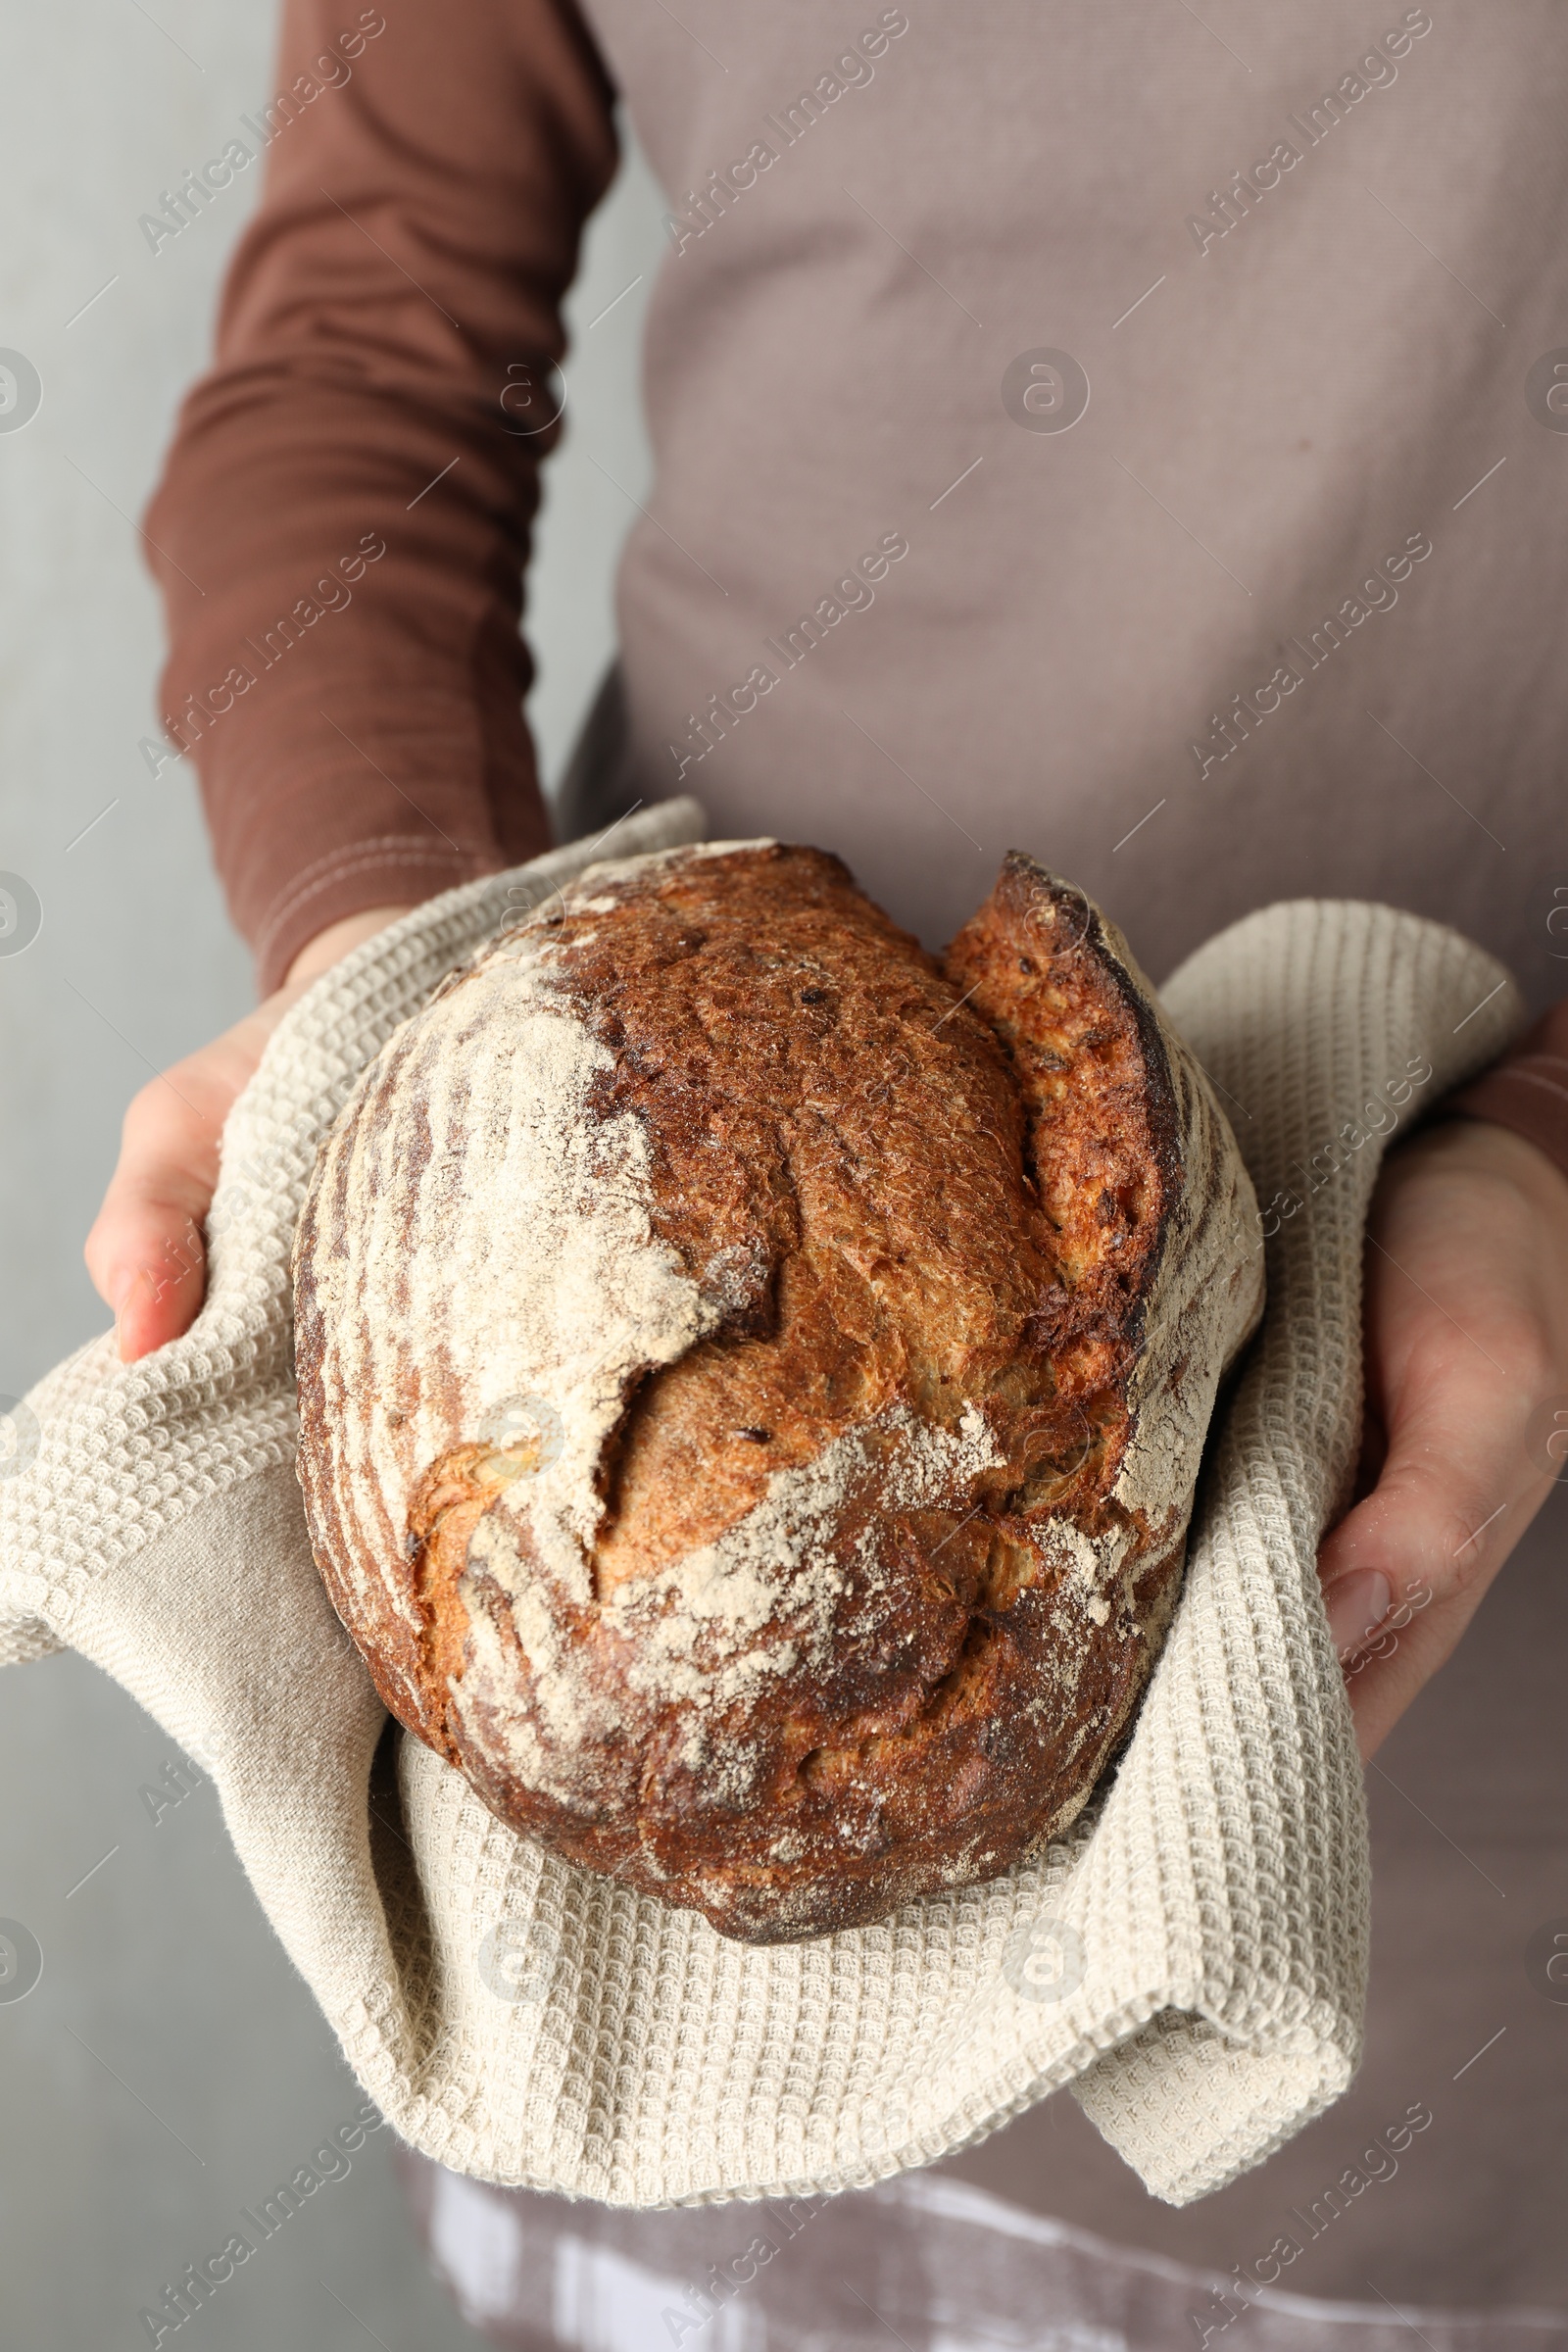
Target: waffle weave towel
column 1192, row 1959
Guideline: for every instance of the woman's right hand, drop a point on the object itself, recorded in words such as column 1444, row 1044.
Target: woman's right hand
column 146, row 1253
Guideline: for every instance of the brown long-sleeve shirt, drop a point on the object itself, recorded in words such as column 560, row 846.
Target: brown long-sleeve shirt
column 1068, row 433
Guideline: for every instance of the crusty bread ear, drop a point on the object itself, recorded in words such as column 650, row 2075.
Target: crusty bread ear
column 1102, row 1142
column 752, row 1376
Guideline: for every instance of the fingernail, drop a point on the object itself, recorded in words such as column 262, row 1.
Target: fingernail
column 119, row 1329
column 1357, row 1605
column 128, row 1292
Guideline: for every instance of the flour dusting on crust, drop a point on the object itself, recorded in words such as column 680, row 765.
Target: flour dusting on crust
column 753, row 1377
column 533, row 1239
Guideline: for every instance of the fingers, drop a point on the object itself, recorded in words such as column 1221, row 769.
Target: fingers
column 145, row 1253
column 1466, row 1328
column 161, row 1297
column 1405, row 1571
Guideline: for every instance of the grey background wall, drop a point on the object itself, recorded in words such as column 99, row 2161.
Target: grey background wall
column 169, row 2067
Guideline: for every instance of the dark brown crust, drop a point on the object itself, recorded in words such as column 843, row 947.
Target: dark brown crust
column 912, row 1187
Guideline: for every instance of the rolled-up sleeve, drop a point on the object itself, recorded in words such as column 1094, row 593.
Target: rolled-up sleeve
column 343, row 521
column 1527, row 1088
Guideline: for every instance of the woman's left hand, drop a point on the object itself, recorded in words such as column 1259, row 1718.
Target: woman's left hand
column 1466, row 1327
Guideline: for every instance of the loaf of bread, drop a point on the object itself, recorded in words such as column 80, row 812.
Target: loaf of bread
column 752, row 1375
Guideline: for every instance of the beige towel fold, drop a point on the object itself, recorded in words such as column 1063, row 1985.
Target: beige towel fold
column 1192, row 1959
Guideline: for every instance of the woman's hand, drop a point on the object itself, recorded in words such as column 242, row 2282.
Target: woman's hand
column 146, row 1253
column 1466, row 1322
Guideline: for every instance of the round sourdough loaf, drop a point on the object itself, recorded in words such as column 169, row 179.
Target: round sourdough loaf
column 752, row 1375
